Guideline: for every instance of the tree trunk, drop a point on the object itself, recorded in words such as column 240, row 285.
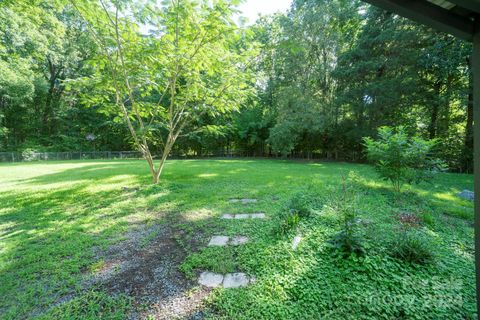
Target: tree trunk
column 52, row 96
column 166, row 152
column 432, row 128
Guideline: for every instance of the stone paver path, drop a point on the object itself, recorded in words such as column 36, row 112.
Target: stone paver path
column 210, row 279
column 222, row 241
column 238, row 240
column 235, row 280
column 230, row 280
column 242, row 216
column 245, row 200
column 239, row 216
column 218, row 241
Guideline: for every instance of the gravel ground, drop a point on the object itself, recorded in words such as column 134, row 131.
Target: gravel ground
column 150, row 274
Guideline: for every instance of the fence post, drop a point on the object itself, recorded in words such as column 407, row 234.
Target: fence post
column 13, row 157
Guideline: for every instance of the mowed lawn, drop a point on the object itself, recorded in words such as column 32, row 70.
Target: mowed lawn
column 55, row 218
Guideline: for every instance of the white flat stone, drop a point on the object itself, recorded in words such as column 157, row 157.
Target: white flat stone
column 228, row 216
column 238, row 240
column 219, row 241
column 258, row 215
column 235, row 280
column 242, row 216
column 210, row 279
column 244, row 200
column 296, row 242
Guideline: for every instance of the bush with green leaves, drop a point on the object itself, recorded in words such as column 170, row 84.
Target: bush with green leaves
column 400, row 158
column 288, row 222
column 301, row 203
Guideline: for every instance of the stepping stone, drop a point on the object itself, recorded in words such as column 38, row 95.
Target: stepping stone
column 125, row 188
column 239, row 216
column 296, row 242
column 242, row 216
column 235, row 280
column 467, row 195
column 238, row 240
column 210, row 279
column 218, row 241
column 245, row 200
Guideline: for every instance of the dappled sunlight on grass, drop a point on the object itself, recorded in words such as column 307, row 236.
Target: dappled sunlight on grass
column 207, row 175
column 54, row 215
column 198, row 214
column 445, row 196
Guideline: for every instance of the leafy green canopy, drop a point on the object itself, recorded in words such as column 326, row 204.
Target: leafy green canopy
column 401, row 159
column 192, row 63
column 43, row 43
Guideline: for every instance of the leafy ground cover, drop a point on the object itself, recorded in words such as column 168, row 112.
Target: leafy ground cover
column 74, row 243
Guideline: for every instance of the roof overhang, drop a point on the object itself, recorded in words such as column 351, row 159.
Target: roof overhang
column 457, row 17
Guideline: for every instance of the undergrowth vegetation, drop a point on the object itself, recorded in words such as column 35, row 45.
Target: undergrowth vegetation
column 348, row 241
column 402, row 159
column 417, row 246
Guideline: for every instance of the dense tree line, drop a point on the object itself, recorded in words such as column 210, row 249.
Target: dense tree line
column 329, row 73
column 42, row 46
column 335, row 71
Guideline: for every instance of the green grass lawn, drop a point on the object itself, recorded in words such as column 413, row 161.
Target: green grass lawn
column 56, row 216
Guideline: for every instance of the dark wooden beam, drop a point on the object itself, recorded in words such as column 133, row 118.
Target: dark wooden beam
column 476, row 147
column 472, row 5
column 430, row 15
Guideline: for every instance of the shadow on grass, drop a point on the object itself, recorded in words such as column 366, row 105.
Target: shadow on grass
column 439, row 196
column 52, row 222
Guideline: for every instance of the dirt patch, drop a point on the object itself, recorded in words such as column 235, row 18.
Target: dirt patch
column 145, row 266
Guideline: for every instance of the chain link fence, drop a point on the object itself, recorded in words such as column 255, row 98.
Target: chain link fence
column 57, row 156
column 115, row 155
column 105, row 155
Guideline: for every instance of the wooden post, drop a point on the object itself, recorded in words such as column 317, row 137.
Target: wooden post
column 476, row 157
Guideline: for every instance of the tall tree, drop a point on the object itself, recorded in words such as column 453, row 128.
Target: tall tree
column 191, row 64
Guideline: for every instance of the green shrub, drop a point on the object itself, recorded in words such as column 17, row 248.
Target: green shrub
column 348, row 240
column 412, row 246
column 302, row 203
column 288, row 222
column 401, row 159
